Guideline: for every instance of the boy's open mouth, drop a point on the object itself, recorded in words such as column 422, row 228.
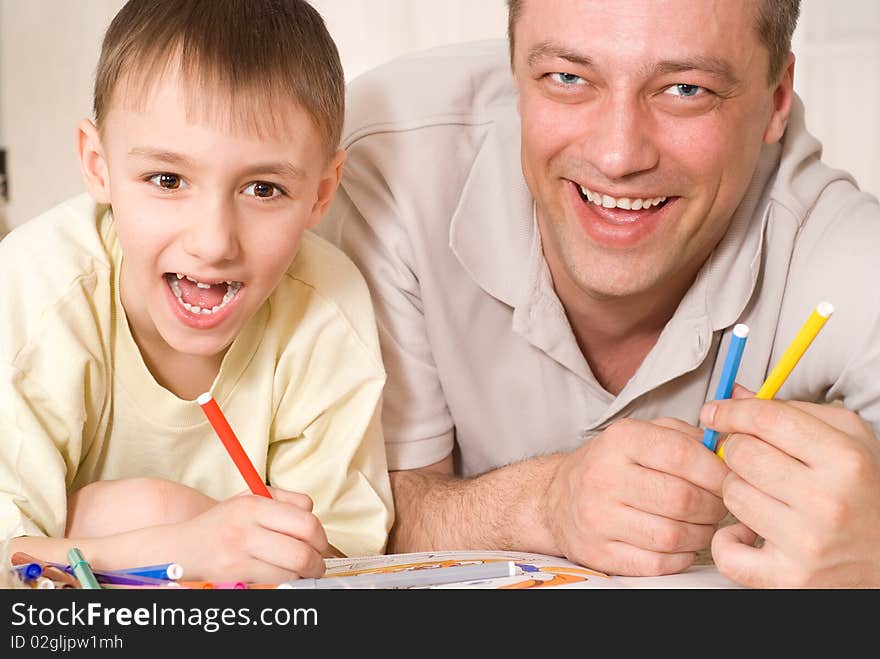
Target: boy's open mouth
column 201, row 298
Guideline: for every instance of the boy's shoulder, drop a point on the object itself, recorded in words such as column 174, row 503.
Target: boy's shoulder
column 64, row 242
column 331, row 276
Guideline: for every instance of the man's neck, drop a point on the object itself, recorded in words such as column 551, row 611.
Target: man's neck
column 615, row 334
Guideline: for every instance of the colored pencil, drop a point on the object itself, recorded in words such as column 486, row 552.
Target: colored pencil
column 82, row 570
column 792, row 355
column 170, row 571
column 233, row 446
column 424, row 577
column 55, row 572
column 728, row 376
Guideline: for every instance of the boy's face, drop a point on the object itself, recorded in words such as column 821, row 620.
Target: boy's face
column 209, row 217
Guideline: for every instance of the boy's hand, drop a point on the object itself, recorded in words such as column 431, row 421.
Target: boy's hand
column 806, row 478
column 254, row 539
column 641, row 498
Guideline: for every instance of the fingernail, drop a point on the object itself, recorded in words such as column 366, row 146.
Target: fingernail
column 707, row 414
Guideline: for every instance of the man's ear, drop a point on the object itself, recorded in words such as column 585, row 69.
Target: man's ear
column 92, row 162
column 330, row 179
column 782, row 99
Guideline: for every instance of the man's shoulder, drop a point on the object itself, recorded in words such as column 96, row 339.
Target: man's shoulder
column 460, row 83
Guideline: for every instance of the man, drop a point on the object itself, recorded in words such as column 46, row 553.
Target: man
column 557, row 260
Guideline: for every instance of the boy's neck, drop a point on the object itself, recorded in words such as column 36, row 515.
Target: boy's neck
column 186, row 376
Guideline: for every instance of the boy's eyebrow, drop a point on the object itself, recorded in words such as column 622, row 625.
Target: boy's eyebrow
column 284, row 169
column 168, row 157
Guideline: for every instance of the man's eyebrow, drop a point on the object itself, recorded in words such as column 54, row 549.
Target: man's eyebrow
column 283, row 169
column 550, row 50
column 712, row 65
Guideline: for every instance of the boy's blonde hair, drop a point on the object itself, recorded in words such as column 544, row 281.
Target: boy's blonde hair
column 260, row 54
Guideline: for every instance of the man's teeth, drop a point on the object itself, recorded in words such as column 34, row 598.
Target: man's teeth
column 232, row 288
column 627, row 203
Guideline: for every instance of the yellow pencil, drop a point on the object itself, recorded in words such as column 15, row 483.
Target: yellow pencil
column 792, row 355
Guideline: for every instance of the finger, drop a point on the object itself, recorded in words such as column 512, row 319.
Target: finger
column 284, row 556
column 837, row 417
column 767, row 469
column 670, row 451
column 789, row 429
column 669, row 496
column 294, row 522
column 657, row 533
column 624, row 559
column 765, row 515
column 298, row 499
column 740, row 391
column 680, row 426
column 737, row 558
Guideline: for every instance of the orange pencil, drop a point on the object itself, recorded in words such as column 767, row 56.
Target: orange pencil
column 233, row 446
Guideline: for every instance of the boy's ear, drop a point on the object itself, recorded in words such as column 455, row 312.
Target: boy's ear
column 92, row 163
column 330, row 179
column 783, row 95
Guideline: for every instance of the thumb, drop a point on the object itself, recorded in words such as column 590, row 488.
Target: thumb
column 737, row 558
column 740, row 391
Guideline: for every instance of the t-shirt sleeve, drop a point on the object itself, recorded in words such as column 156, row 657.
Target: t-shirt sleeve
column 327, row 436
column 416, row 420
column 33, row 459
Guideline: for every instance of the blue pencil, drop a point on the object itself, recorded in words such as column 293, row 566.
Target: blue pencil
column 728, row 376
column 171, row 571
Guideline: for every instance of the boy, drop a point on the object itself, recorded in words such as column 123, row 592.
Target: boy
column 188, row 269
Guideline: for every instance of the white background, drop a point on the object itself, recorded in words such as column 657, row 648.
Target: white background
column 48, row 51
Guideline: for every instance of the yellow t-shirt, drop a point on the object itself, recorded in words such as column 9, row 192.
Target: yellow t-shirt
column 301, row 387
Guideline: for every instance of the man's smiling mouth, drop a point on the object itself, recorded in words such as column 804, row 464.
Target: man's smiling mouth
column 625, row 203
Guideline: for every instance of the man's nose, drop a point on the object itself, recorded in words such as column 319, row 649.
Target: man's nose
column 212, row 235
column 622, row 138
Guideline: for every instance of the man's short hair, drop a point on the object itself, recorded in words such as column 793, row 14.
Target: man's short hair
column 263, row 54
column 776, row 21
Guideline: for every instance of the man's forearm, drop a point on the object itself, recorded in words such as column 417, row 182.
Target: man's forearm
column 499, row 510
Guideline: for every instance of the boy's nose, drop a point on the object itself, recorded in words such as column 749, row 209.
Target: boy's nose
column 212, row 235
column 621, row 141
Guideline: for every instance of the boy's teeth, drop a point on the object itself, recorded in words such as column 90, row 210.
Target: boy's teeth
column 626, row 203
column 232, row 288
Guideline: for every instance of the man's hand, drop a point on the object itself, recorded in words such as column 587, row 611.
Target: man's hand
column 806, row 478
column 641, row 498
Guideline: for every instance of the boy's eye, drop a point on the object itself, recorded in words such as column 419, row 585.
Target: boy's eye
column 684, row 90
column 263, row 190
column 166, row 181
column 567, row 79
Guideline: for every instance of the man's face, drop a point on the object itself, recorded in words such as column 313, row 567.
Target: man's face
column 209, row 217
column 642, row 123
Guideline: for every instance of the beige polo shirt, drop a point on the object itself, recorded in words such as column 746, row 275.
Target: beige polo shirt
column 479, row 354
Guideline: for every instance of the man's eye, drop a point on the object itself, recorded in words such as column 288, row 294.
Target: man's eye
column 167, row 181
column 683, row 90
column 567, row 79
column 263, row 190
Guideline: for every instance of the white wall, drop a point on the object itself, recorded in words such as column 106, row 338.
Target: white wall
column 48, row 51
